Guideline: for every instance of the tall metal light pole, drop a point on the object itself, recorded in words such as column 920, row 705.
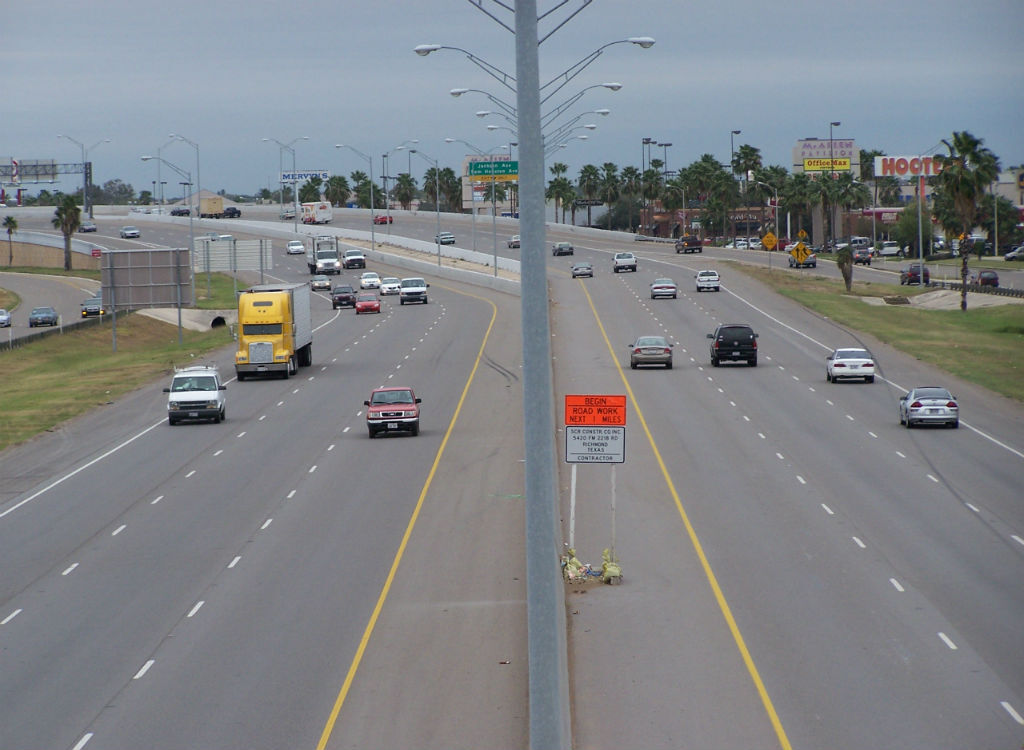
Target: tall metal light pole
column 437, row 198
column 732, row 168
column 369, row 160
column 295, row 183
column 494, row 226
column 199, row 184
column 832, row 175
column 86, row 170
column 191, row 240
column 645, row 154
column 472, row 192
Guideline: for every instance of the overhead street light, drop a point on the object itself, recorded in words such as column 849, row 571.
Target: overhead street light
column 555, row 113
column 295, row 183
column 437, row 197
column 191, row 243
column 644, row 42
column 503, row 105
column 492, row 70
column 199, row 184
column 369, row 161
column 494, row 210
column 86, row 170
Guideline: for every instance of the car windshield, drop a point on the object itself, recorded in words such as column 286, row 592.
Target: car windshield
column 198, row 383
column 392, row 397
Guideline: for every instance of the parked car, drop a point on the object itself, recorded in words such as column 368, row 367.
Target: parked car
column 320, row 283
column 295, row 247
column 390, row 285
column 369, row 280
column 42, row 316
column 130, row 232
column 987, row 278
column 862, row 255
column 87, row 226
column 393, row 409
column 196, row 392
column 663, row 287
column 708, row 279
column 1016, row 254
column 513, row 241
column 929, row 405
column 5, row 318
column 367, row 302
column 650, row 350
column 444, row 238
column 912, row 274
column 562, row 248
column 181, row 211
column 851, row 363
column 583, row 268
column 383, row 219
column 733, row 342
column 343, row 295
column 890, row 249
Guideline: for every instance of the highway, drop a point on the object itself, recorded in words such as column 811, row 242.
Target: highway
column 799, row 570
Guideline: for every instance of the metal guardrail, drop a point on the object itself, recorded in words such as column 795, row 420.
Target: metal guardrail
column 978, row 288
column 36, row 334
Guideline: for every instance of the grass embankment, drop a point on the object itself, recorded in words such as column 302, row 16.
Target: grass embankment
column 983, row 345
column 50, row 380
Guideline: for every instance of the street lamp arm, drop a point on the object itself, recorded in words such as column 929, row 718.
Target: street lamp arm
column 642, row 41
column 182, row 172
column 561, row 108
column 492, row 70
column 505, row 106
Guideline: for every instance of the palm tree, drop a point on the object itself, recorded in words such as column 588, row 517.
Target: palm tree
column 67, row 218
column 11, row 225
column 404, row 190
column 799, row 193
column 310, row 190
column 558, row 170
column 629, row 186
column 967, row 170
column 609, row 187
column 746, row 159
column 337, row 191
column 650, row 182
column 589, row 183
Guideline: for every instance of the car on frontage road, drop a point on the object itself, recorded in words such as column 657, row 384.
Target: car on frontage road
column 650, row 350
column 513, row 241
column 811, row 261
column 929, row 405
column 5, row 318
column 92, row 307
column 42, row 316
column 862, row 255
column 444, row 238
column 87, row 226
column 987, row 278
column 562, row 248
column 383, row 219
column 912, row 274
column 850, row 364
column 130, row 233
column 392, row 409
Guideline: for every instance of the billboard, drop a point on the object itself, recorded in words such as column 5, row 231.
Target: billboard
column 906, row 166
column 825, row 155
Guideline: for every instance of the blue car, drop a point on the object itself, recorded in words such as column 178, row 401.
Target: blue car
column 42, row 316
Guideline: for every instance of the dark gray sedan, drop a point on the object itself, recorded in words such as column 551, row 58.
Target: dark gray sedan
column 42, row 316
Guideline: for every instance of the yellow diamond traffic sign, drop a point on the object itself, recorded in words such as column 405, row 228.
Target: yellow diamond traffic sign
column 799, row 252
column 770, row 241
column 802, row 234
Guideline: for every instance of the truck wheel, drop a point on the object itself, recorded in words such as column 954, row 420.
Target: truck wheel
column 371, row 432
column 752, row 362
column 293, row 367
column 714, row 361
column 172, row 421
column 416, row 429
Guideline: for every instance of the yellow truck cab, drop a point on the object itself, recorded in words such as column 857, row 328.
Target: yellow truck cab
column 275, row 332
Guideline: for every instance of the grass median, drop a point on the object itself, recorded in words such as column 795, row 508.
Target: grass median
column 60, row 376
column 983, row 345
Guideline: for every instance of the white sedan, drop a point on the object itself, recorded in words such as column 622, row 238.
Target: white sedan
column 663, row 288
column 850, row 364
column 390, row 285
column 369, row 280
column 295, row 247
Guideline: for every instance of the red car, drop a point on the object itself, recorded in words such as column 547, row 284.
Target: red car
column 392, row 409
column 367, row 303
column 383, row 219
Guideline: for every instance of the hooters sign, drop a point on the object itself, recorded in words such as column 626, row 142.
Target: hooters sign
column 907, row 166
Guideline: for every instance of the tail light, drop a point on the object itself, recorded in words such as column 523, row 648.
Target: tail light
column 666, row 350
column 916, row 405
column 951, row 404
column 868, row 364
column 838, row 364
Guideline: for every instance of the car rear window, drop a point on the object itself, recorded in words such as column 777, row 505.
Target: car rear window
column 736, row 333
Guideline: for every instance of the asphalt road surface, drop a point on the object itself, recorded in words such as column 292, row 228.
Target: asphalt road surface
column 799, row 570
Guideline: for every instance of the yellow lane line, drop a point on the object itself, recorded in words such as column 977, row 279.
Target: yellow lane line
column 364, row 641
column 766, row 701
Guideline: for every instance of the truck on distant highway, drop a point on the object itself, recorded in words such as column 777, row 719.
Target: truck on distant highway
column 275, row 330
column 317, row 212
column 211, row 208
column 323, row 257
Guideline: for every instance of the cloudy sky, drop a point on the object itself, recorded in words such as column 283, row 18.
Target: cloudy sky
column 899, row 75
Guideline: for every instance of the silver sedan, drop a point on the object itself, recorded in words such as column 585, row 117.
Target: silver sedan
column 650, row 350
column 929, row 405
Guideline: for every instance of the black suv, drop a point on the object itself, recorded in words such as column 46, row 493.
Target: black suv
column 343, row 295
column 232, row 213
column 733, row 342
column 180, row 211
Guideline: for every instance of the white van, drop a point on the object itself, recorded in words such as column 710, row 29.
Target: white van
column 890, row 249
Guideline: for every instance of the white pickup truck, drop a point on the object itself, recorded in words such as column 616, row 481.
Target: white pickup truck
column 624, row 262
column 708, row 280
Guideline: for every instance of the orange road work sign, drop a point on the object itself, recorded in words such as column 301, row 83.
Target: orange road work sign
column 602, row 411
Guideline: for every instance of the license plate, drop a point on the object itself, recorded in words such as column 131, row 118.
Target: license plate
column 392, row 425
column 735, row 354
column 193, row 414
column 854, row 367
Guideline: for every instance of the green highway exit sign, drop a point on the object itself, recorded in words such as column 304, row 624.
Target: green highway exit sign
column 496, row 168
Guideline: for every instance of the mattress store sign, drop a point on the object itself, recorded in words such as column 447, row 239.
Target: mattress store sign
column 906, row 166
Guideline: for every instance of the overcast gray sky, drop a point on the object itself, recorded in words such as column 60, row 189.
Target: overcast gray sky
column 899, row 75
